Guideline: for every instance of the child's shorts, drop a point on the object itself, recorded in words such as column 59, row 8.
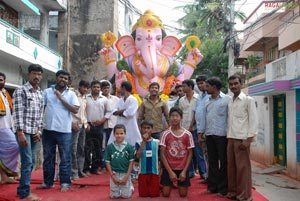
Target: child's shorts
column 121, row 191
column 165, row 179
column 148, row 185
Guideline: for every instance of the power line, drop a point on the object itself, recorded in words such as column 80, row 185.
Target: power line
column 131, row 7
column 241, row 6
column 253, row 25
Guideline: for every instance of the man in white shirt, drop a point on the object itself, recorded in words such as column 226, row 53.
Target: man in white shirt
column 112, row 102
column 242, row 128
column 97, row 110
column 188, row 104
column 112, row 119
column 79, row 124
column 126, row 112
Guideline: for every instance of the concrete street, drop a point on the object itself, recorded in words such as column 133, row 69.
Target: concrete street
column 274, row 184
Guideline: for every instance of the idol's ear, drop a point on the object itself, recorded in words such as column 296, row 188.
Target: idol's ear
column 170, row 45
column 126, row 46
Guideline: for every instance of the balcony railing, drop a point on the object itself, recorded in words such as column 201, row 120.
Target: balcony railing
column 22, row 46
column 279, row 68
column 257, row 74
column 284, row 68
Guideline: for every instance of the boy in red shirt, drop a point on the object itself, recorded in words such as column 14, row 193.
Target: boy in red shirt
column 176, row 151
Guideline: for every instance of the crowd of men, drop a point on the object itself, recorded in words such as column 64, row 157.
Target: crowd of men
column 78, row 125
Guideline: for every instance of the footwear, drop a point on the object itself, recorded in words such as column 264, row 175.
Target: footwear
column 97, row 173
column 203, row 177
column 220, row 195
column 8, row 181
column 81, row 175
column 32, row 197
column 44, row 186
column 75, row 178
column 64, row 189
column 231, row 196
column 210, row 192
column 203, row 181
column 87, row 173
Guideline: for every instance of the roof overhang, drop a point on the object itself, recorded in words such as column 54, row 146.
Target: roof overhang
column 269, row 87
column 24, row 6
column 274, row 87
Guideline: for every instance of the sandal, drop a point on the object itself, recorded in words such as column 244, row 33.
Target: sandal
column 44, row 186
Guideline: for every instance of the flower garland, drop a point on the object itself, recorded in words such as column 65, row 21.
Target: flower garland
column 167, row 88
column 130, row 79
column 171, row 78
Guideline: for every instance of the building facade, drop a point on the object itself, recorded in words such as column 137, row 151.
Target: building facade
column 19, row 49
column 276, row 87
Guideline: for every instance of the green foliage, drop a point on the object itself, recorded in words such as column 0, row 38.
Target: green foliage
column 206, row 18
column 173, row 70
column 123, row 65
column 253, row 60
column 290, row 5
column 210, row 21
column 215, row 61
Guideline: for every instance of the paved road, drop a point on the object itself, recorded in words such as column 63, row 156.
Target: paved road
column 275, row 185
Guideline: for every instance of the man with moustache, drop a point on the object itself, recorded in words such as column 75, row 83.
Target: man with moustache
column 59, row 103
column 214, row 126
column 180, row 93
column 242, row 128
column 27, row 114
column 98, row 111
column 79, row 125
column 154, row 108
column 200, row 147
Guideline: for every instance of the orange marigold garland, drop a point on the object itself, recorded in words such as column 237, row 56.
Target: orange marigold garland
column 167, row 88
column 168, row 84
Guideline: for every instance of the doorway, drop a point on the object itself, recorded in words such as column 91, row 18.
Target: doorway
column 279, row 129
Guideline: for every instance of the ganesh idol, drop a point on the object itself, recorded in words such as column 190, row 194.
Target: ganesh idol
column 148, row 56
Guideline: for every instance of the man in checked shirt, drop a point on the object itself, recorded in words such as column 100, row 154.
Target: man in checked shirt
column 27, row 114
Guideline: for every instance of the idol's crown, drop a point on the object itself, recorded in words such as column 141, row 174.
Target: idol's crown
column 148, row 20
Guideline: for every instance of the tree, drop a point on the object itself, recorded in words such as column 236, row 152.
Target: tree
column 215, row 62
column 205, row 18
column 210, row 21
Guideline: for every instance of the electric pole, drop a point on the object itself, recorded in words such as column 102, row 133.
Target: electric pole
column 231, row 41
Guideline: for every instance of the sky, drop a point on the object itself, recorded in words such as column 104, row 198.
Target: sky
column 168, row 13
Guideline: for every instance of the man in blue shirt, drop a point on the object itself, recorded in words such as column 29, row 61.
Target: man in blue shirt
column 214, row 126
column 59, row 103
column 199, row 151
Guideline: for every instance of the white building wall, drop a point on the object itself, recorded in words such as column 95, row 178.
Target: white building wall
column 284, row 68
column 260, row 148
column 291, row 133
column 12, row 73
